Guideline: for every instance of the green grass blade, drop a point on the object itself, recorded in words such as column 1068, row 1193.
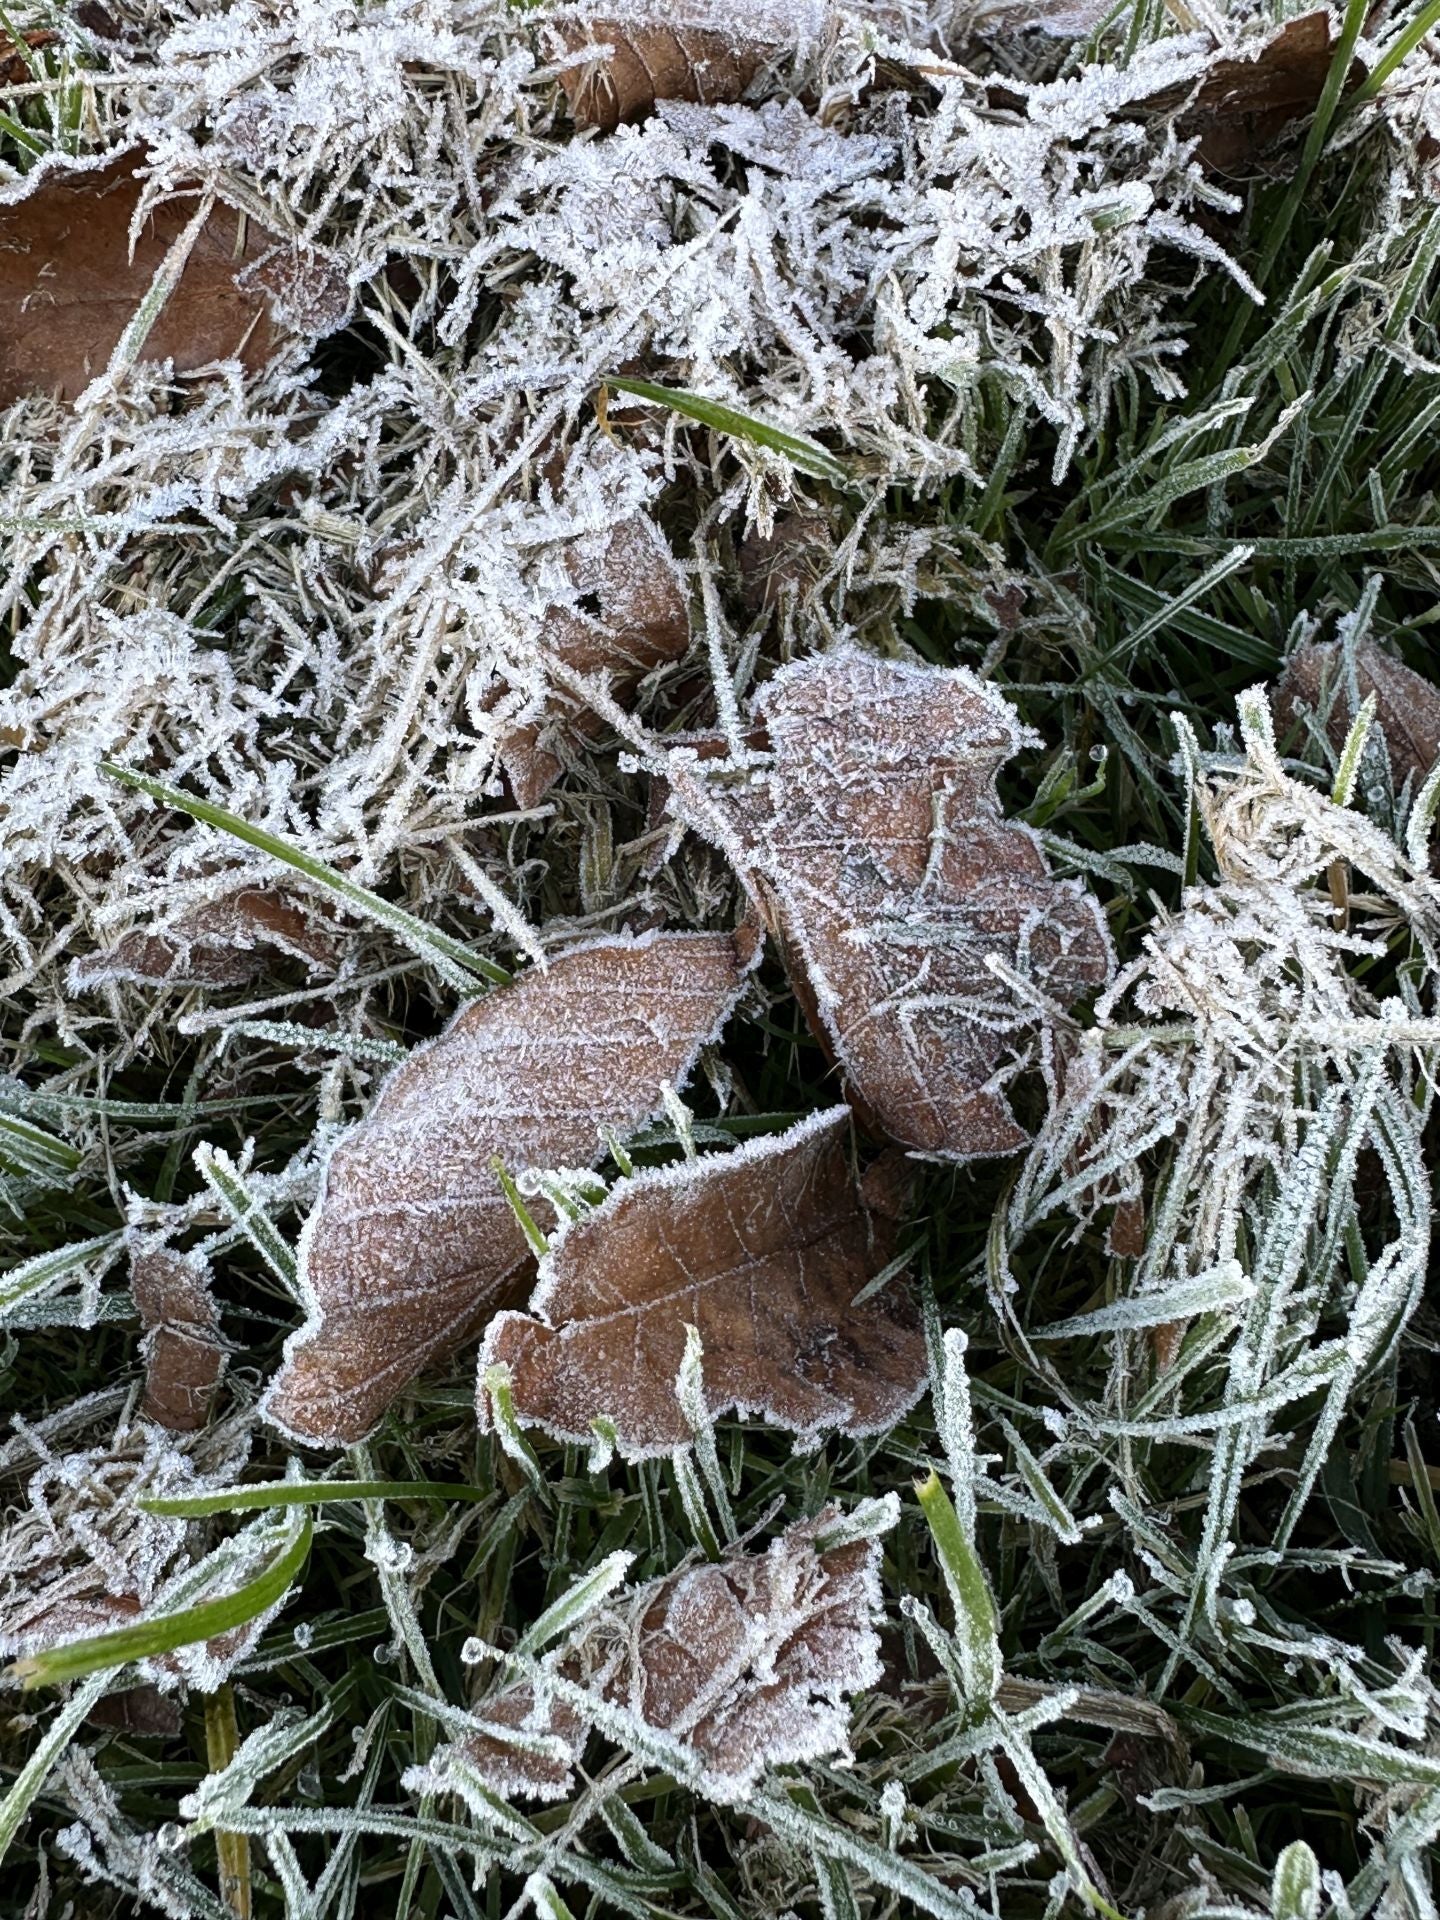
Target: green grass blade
column 807, row 455
column 454, row 961
column 32, row 1776
column 306, row 1493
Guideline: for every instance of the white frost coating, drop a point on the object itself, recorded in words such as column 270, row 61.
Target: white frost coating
column 847, row 277
column 762, row 1249
column 412, row 1241
column 870, row 835
column 1242, row 1043
column 82, row 1558
column 741, row 1666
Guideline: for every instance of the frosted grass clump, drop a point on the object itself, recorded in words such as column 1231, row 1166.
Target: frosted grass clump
column 1248, row 1084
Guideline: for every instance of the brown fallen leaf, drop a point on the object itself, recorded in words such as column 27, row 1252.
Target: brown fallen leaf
column 1246, row 103
column 763, row 1251
column 184, row 1357
column 81, row 1557
column 785, row 563
column 643, row 621
column 749, row 1662
column 70, row 286
column 872, row 836
column 1407, row 706
column 224, row 943
column 649, row 60
column 412, row 1244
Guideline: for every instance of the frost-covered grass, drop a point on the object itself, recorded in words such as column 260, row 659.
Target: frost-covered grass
column 1073, row 409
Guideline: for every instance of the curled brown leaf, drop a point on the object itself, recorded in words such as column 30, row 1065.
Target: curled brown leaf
column 184, row 1357
column 749, row 1662
column 412, row 1244
column 763, row 1251
column 872, row 836
column 1247, row 101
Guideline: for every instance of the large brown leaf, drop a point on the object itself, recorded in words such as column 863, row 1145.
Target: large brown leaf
column 184, row 1357
column 70, row 287
column 643, row 621
column 649, row 59
column 749, row 1662
column 412, row 1244
column 763, row 1251
column 872, row 835
column 1245, row 103
column 1407, row 706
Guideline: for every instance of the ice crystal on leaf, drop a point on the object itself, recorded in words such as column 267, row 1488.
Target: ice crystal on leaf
column 413, row 1243
column 746, row 1665
column 871, row 833
column 763, row 1252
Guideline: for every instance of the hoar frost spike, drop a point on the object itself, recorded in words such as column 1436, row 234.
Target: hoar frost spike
column 763, row 1251
column 413, row 1244
column 749, row 1663
column 872, row 836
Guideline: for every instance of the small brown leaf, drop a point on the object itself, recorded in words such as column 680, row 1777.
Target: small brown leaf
column 872, row 835
column 224, row 943
column 1407, row 706
column 649, row 60
column 70, row 286
column 307, row 288
column 184, row 1358
column 762, row 1251
column 643, row 622
column 412, row 1244
column 749, row 1662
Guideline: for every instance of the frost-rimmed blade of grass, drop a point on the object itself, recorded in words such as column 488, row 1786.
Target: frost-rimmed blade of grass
column 225, row 1181
column 36, row 1770
column 457, row 965
column 306, row 1493
column 28, row 1149
column 204, row 1621
column 807, row 455
column 47, row 1269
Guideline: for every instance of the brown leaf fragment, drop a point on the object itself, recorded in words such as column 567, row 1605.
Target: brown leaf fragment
column 307, row 288
column 761, row 1250
column 70, row 286
column 648, row 60
column 15, row 69
column 184, row 1357
column 872, row 837
column 785, row 563
column 143, row 1712
column 643, row 621
column 1407, row 706
column 224, row 943
column 1126, row 1239
column 412, row 1244
column 1247, row 102
column 750, row 1662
